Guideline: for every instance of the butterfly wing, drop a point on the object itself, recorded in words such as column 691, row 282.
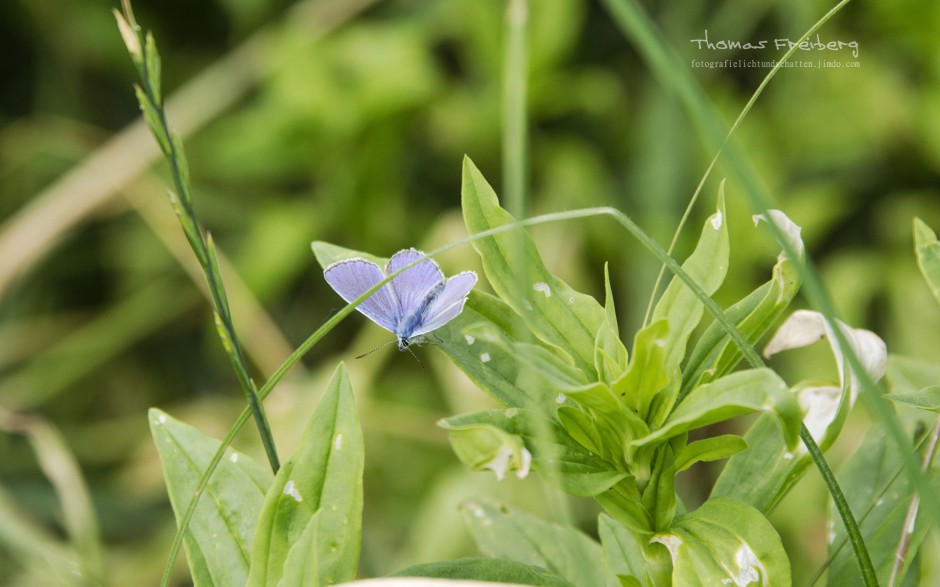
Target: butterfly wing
column 351, row 278
column 413, row 285
column 448, row 304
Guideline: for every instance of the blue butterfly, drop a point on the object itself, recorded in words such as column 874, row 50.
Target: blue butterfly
column 412, row 304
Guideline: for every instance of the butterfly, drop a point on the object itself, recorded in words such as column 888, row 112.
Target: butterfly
column 416, row 302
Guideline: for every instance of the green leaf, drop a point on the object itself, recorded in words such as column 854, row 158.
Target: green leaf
column 908, row 374
column 925, row 399
column 327, row 254
column 928, row 256
column 153, row 66
column 153, row 120
column 761, row 475
column 512, row 535
column 707, row 266
column 554, row 454
column 487, row 570
column 218, row 541
column 710, row 449
column 624, row 503
column 879, row 495
column 714, row 354
column 301, row 569
column 725, row 542
column 739, row 393
column 557, row 314
column 623, row 550
column 659, row 496
column 483, row 351
column 646, row 375
column 320, row 486
column 610, row 356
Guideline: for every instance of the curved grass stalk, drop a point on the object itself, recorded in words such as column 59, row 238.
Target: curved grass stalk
column 737, row 122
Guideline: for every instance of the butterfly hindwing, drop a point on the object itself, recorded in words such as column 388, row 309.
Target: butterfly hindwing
column 448, row 304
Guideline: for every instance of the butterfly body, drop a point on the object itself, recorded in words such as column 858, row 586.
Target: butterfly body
column 415, row 302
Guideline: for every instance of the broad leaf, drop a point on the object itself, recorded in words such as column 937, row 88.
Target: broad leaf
column 483, row 350
column 512, row 535
column 488, row 570
column 218, row 541
column 761, row 475
column 623, row 550
column 557, row 314
column 725, row 542
column 879, row 495
column 313, row 510
column 739, row 393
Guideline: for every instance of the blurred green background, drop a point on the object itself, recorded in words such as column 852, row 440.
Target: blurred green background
column 346, row 121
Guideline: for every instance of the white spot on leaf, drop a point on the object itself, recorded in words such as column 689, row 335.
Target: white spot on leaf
column 292, row 491
column 542, row 287
column 485, row 357
column 338, row 443
column 161, row 418
column 234, row 457
column 560, row 399
column 716, row 220
column 470, row 340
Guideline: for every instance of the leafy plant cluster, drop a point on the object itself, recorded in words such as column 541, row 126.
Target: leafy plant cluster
column 588, row 415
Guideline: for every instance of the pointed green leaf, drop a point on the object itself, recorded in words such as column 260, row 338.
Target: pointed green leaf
column 219, row 539
column 707, row 266
column 512, row 535
column 928, row 256
column 557, row 314
column 725, row 542
column 320, row 485
column 488, row 570
column 714, row 354
column 327, row 254
column 710, row 449
column 646, row 374
column 610, row 356
column 153, row 66
column 879, row 495
column 739, row 393
column 153, row 120
column 623, row 550
column 925, row 399
column 659, row 496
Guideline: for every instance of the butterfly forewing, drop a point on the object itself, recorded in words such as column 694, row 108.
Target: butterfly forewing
column 353, row 277
column 413, row 285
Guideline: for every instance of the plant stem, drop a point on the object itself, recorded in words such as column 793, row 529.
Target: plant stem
column 514, row 107
column 147, row 60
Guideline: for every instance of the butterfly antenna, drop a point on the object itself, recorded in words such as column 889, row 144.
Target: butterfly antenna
column 383, row 345
column 416, row 357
